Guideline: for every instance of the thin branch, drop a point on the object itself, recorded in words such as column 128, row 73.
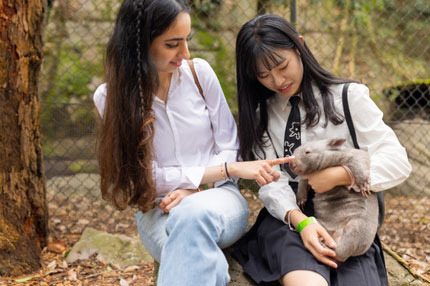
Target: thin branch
column 403, row 263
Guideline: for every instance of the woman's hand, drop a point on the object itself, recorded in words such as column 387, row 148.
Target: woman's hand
column 326, row 179
column 311, row 236
column 261, row 170
column 172, row 199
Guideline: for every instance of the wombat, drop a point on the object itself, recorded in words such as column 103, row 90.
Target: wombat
column 350, row 217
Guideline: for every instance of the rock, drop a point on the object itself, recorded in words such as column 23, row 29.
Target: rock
column 118, row 250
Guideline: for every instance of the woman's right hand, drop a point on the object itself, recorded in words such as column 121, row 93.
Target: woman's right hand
column 311, row 236
column 260, row 170
column 173, row 198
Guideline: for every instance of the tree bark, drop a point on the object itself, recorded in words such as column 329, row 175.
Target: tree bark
column 23, row 210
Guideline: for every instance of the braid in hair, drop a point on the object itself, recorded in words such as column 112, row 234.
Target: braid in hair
column 144, row 149
column 139, row 56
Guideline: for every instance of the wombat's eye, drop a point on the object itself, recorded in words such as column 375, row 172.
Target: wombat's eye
column 307, row 152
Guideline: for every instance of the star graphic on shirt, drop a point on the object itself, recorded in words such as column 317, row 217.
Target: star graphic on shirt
column 295, row 130
column 289, row 148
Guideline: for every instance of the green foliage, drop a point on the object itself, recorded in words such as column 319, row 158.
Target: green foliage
column 361, row 10
column 74, row 74
column 222, row 62
column 82, row 166
column 68, row 89
column 206, row 8
column 108, row 9
column 281, row 2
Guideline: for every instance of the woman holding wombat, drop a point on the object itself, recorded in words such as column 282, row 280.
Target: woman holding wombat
column 286, row 99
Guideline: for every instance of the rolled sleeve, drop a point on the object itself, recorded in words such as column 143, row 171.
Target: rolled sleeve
column 171, row 178
column 218, row 159
column 278, row 198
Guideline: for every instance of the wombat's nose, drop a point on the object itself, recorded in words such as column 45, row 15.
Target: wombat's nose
column 292, row 164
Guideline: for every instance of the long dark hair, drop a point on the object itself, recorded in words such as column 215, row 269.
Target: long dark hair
column 258, row 40
column 126, row 132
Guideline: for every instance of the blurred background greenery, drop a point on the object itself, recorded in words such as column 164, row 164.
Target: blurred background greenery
column 383, row 43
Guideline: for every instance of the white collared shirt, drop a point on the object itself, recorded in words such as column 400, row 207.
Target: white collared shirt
column 389, row 161
column 191, row 132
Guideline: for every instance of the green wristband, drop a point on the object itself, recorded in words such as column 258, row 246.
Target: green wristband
column 307, row 221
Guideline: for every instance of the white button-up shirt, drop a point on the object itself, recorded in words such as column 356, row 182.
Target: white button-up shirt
column 191, row 132
column 389, row 161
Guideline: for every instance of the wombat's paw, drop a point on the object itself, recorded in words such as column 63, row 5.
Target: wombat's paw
column 301, row 204
column 365, row 189
column 301, row 200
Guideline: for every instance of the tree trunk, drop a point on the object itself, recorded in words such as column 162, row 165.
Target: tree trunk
column 23, row 210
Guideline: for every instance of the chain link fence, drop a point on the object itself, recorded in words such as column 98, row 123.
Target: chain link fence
column 385, row 44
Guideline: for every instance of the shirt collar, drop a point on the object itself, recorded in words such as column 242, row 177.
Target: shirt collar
column 283, row 101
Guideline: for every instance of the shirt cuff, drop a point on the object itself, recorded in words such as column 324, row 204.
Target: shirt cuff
column 278, row 199
column 194, row 176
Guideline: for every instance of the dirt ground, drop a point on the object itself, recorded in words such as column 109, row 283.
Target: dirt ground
column 406, row 230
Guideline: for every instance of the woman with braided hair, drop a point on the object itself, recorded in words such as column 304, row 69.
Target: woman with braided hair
column 167, row 145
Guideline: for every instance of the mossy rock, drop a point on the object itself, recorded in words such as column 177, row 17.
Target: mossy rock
column 118, row 250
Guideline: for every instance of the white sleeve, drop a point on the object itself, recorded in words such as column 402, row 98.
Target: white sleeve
column 100, row 99
column 389, row 162
column 168, row 179
column 278, row 197
column 223, row 124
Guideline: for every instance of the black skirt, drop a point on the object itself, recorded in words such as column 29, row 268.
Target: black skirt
column 270, row 250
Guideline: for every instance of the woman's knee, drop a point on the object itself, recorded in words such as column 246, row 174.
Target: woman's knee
column 195, row 215
column 303, row 278
column 151, row 229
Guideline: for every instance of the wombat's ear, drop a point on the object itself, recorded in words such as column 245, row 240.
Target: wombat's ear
column 336, row 142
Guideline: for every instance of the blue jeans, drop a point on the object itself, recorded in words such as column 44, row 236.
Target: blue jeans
column 188, row 241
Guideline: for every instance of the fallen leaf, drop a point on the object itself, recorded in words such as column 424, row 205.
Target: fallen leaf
column 71, row 275
column 52, row 265
column 64, row 265
column 123, row 282
column 131, row 268
column 21, row 280
column 57, row 246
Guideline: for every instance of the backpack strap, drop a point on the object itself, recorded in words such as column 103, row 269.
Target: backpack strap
column 348, row 115
column 350, row 124
column 196, row 80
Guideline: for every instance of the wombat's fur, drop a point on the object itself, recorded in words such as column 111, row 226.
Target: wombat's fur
column 350, row 217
